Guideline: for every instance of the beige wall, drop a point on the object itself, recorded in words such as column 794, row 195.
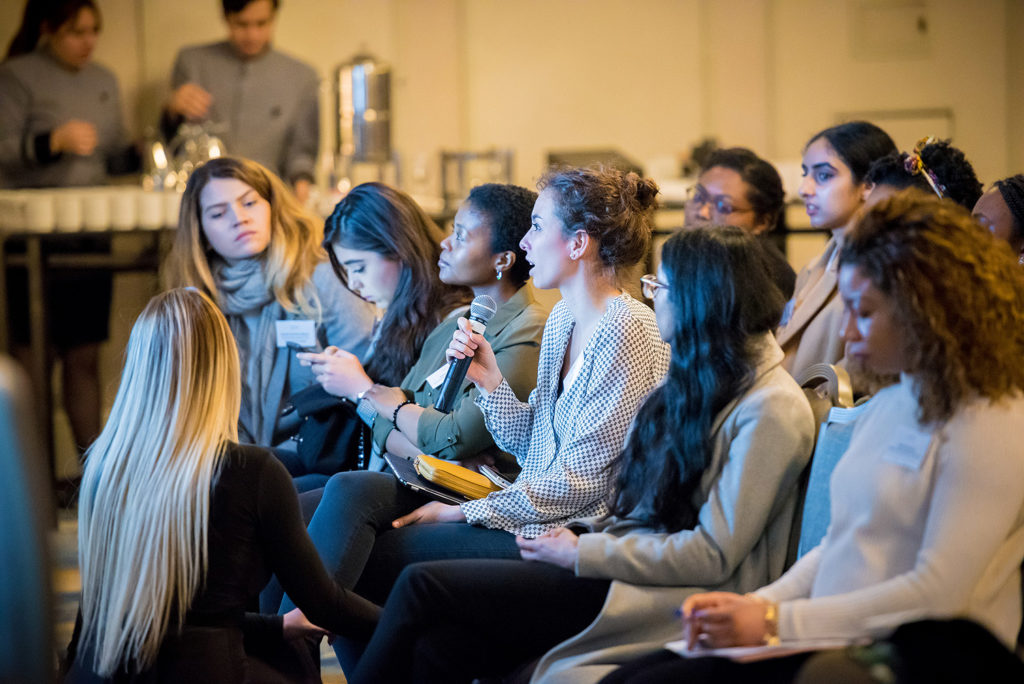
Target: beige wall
column 649, row 77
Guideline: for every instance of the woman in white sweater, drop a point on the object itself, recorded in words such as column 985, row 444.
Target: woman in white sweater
column 927, row 504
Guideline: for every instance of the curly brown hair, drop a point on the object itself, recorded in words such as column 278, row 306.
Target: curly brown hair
column 613, row 207
column 958, row 293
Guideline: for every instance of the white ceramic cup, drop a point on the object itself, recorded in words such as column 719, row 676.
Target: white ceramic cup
column 151, row 209
column 40, row 212
column 12, row 210
column 96, row 209
column 172, row 207
column 68, row 210
column 124, row 209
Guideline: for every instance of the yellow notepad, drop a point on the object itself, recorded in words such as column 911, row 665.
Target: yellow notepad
column 454, row 477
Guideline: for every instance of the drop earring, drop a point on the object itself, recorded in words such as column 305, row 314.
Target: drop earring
column 499, row 273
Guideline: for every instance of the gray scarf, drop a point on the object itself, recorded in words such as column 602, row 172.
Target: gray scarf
column 244, row 293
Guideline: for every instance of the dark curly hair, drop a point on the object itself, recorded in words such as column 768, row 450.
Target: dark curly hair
column 858, row 144
column 766, row 196
column 956, row 177
column 509, row 210
column 957, row 292
column 613, row 207
column 722, row 296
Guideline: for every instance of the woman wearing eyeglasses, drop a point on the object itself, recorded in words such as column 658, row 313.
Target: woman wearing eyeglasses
column 704, row 494
column 738, row 188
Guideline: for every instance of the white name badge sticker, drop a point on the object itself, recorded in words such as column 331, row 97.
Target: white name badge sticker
column 437, row 377
column 300, row 333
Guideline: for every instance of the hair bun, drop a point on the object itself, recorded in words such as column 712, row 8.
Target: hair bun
column 642, row 191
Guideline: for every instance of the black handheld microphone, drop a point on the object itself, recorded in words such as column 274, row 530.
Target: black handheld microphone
column 480, row 311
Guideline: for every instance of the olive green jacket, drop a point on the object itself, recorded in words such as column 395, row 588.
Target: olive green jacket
column 514, row 333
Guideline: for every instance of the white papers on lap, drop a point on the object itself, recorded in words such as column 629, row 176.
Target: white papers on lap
column 747, row 654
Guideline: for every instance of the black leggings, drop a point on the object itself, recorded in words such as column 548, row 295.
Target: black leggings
column 451, row 621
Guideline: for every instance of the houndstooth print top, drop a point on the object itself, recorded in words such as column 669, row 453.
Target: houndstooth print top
column 564, row 443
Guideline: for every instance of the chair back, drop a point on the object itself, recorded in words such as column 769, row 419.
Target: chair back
column 26, row 516
column 828, row 389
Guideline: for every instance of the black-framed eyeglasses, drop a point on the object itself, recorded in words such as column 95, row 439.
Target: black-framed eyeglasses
column 649, row 285
column 722, row 204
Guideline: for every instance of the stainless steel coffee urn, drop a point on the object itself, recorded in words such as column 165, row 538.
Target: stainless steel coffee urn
column 362, row 101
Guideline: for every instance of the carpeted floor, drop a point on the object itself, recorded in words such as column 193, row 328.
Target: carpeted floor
column 67, row 587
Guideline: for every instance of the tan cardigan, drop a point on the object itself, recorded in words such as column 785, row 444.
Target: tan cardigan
column 812, row 332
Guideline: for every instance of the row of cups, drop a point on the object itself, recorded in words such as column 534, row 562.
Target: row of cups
column 99, row 208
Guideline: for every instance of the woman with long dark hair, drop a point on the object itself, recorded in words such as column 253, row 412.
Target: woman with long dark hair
column 482, row 253
column 704, row 495
column 385, row 248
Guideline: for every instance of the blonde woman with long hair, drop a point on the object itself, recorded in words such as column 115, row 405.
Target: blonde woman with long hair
column 244, row 240
column 179, row 526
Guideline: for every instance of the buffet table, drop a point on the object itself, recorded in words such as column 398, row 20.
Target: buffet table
column 42, row 219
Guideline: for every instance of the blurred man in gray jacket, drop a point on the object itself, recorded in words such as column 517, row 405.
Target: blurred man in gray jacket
column 264, row 104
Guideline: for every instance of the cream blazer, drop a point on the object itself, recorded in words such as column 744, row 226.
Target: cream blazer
column 747, row 497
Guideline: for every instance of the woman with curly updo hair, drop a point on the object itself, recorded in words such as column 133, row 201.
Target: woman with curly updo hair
column 934, row 166
column 927, row 503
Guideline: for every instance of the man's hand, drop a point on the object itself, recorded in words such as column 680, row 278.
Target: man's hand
column 74, row 137
column 191, row 102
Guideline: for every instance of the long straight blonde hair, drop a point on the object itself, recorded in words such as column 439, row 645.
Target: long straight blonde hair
column 291, row 257
column 145, row 502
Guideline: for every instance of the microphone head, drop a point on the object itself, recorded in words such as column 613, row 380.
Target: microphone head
column 482, row 308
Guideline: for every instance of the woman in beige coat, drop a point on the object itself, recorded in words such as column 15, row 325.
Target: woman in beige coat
column 833, row 189
column 704, row 494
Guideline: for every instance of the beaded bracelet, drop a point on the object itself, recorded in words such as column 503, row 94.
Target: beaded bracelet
column 394, row 416
column 771, row 619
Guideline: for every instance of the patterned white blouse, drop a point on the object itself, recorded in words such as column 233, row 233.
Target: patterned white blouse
column 564, row 442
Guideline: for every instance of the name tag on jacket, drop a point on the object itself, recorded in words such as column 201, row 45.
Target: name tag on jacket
column 300, row 333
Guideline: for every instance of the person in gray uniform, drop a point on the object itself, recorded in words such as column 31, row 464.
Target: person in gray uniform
column 263, row 103
column 60, row 112
column 60, row 125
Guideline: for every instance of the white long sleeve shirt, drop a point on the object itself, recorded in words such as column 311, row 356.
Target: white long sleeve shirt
column 925, row 522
